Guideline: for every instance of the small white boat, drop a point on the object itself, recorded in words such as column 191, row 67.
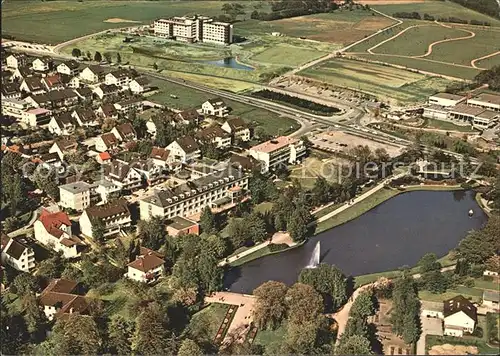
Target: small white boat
column 471, row 212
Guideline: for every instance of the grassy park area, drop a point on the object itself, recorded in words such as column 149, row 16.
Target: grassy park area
column 187, row 98
column 387, row 83
column 207, row 321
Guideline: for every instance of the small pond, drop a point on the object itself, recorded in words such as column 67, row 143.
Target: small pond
column 228, row 62
column 396, row 233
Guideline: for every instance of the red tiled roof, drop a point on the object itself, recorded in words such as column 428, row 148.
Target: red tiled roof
column 104, row 156
column 53, row 222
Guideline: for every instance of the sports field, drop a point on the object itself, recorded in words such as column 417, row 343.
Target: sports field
column 384, row 82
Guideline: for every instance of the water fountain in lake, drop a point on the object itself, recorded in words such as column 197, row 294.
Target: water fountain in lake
column 314, row 261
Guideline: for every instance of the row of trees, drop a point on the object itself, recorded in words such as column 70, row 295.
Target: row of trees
column 490, row 77
column 416, row 16
column 76, row 52
column 306, row 104
column 291, row 8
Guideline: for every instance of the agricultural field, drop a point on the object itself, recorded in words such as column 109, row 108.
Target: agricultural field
column 489, row 62
column 387, row 83
column 436, row 8
column 286, row 55
column 187, row 98
column 341, row 27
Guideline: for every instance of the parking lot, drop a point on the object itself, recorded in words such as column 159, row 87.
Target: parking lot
column 339, row 141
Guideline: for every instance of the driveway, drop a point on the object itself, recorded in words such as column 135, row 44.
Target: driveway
column 430, row 326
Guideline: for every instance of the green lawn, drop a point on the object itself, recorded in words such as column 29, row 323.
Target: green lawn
column 119, row 300
column 489, row 62
column 415, row 41
column 269, row 337
column 445, row 125
column 263, row 207
column 471, row 293
column 190, row 98
column 58, row 21
column 205, row 324
column 286, row 55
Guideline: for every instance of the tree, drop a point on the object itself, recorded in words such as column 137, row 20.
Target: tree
column 189, row 348
column 47, row 180
column 356, row 326
column 327, row 280
column 281, row 211
column 76, row 52
column 354, row 345
column 428, row 263
column 270, row 306
column 493, row 263
column 300, row 339
column 120, row 333
column 89, row 55
column 434, row 281
column 107, row 57
column 51, row 268
column 97, row 57
column 152, row 336
column 25, row 283
column 12, row 331
column 256, row 226
column 98, row 230
column 152, row 233
column 405, row 315
column 298, row 224
column 67, row 337
column 118, row 58
column 321, row 191
column 207, row 221
column 238, row 233
column 34, row 317
column 363, row 306
column 304, row 303
column 210, row 275
column 480, row 245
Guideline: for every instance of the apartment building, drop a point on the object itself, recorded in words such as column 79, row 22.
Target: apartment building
column 194, row 29
column 14, row 107
column 214, row 190
column 485, row 101
column 77, row 196
column 113, row 216
column 278, row 151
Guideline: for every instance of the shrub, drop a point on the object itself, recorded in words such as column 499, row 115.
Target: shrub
column 277, row 247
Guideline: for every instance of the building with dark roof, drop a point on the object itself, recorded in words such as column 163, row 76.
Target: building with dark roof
column 214, row 134
column 184, row 149
column 17, row 253
column 61, row 299
column 113, row 216
column 460, row 316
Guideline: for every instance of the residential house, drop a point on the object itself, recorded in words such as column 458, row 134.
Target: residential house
column 140, row 85
column 69, row 81
column 282, row 150
column 107, row 111
column 113, row 216
column 53, row 82
column 161, row 157
column 64, row 146
column 77, row 196
column 178, row 226
column 32, row 85
column 85, row 117
column 215, row 107
column 84, row 94
column 218, row 190
column 120, row 77
column 191, row 116
column 237, row 128
column 126, row 106
column 42, row 64
column 103, row 90
column 460, row 316
column 50, row 161
column 54, row 99
column 93, row 74
column 106, row 142
column 124, row 132
column 163, row 118
column 17, row 253
column 11, row 91
column 54, row 230
column 491, row 299
column 36, row 117
column 14, row 107
column 70, row 67
column 149, row 171
column 122, row 175
column 22, row 73
column 63, row 124
column 216, row 135
column 103, row 158
column 17, row 60
column 184, row 149
column 245, row 163
column 60, row 299
column 148, row 266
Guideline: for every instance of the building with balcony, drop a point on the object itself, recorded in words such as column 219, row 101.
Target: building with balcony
column 148, row 266
column 77, row 196
column 113, row 216
column 17, row 253
column 282, row 150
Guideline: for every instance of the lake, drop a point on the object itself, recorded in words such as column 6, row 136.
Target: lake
column 228, row 62
column 396, row 233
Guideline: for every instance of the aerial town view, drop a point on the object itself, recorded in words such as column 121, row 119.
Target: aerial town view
column 250, row 177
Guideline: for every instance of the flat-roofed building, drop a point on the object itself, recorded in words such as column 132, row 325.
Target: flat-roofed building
column 486, row 101
column 77, row 195
column 446, row 99
column 436, row 112
column 181, row 226
column 279, row 151
column 471, row 115
column 214, row 190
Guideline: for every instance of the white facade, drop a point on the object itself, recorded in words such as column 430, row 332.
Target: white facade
column 113, row 215
column 282, row 150
column 90, row 75
column 68, row 70
column 18, row 255
column 64, row 243
column 485, row 101
column 14, row 107
column 179, row 154
column 76, row 196
column 40, row 65
column 215, row 108
column 36, row 117
column 445, row 99
column 458, row 323
column 242, row 134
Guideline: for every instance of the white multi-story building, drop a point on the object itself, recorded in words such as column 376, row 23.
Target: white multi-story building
column 17, row 253
column 278, row 151
column 194, row 29
column 76, row 195
column 113, row 216
column 446, row 99
column 184, row 149
column 485, row 101
column 214, row 190
column 14, row 107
